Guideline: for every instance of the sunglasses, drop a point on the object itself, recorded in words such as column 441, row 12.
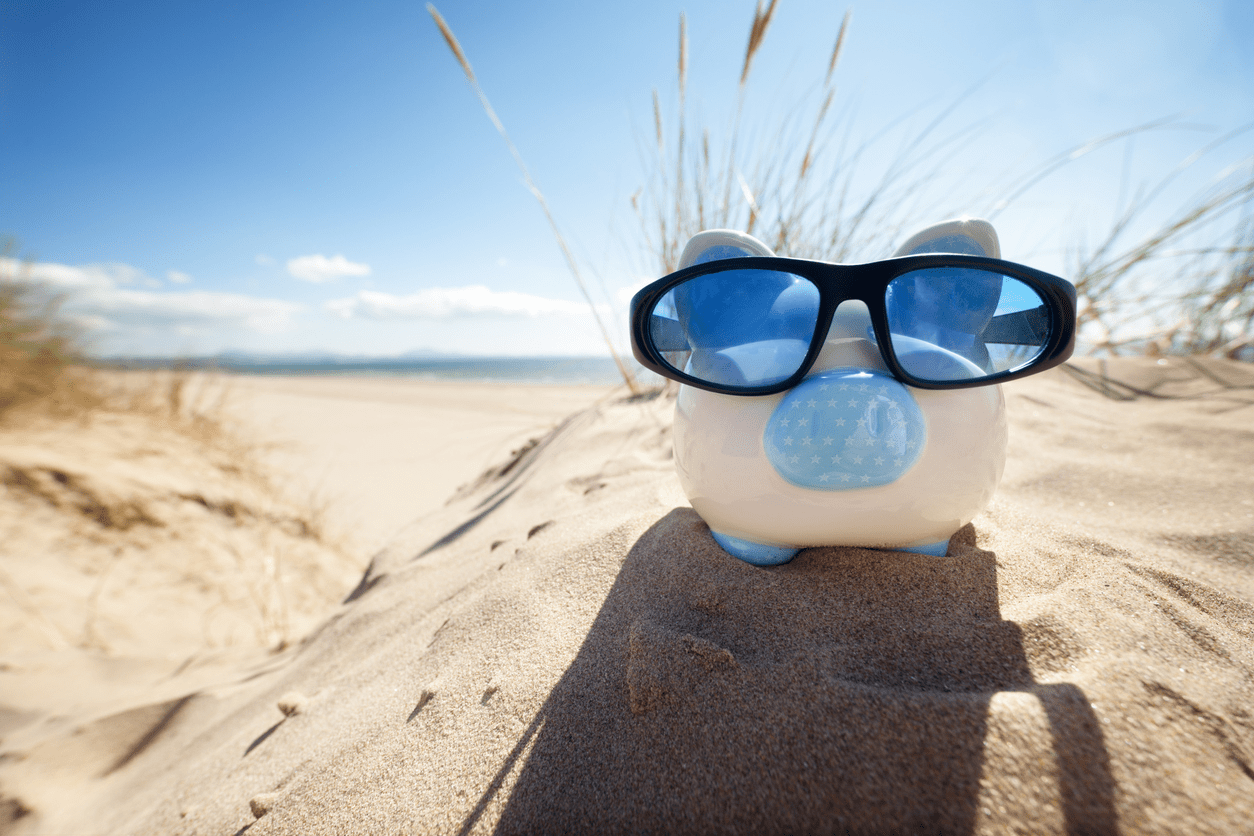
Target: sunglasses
column 754, row 326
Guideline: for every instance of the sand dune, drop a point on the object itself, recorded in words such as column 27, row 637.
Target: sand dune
column 131, row 545
column 562, row 648
column 381, row 452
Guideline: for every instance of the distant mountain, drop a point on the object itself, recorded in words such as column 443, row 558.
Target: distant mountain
column 421, row 363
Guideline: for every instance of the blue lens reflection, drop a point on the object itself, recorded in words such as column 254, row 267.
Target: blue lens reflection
column 960, row 323
column 737, row 328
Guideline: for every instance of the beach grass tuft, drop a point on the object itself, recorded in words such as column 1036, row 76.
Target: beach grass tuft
column 40, row 351
column 805, row 188
column 1180, row 285
column 46, row 375
column 142, row 474
column 1182, row 288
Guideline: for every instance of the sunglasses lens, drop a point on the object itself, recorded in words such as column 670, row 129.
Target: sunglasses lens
column 961, row 323
column 736, row 328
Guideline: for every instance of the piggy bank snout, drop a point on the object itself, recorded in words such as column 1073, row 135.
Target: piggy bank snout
column 849, row 424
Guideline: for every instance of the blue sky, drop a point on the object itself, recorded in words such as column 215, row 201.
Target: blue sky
column 316, row 176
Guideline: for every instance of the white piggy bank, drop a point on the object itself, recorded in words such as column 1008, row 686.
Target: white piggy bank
column 850, row 456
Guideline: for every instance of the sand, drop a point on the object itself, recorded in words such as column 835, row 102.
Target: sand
column 380, row 452
column 563, row 648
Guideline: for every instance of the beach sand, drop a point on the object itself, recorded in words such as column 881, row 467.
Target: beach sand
column 381, row 452
column 562, row 648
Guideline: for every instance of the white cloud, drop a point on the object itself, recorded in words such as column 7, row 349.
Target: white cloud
column 194, row 310
column 178, row 277
column 95, row 297
column 450, row 303
column 318, row 268
column 123, row 274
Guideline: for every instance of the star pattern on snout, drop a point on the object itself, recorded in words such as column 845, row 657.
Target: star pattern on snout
column 877, row 435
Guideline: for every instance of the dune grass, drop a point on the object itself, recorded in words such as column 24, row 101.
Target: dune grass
column 46, row 370
column 46, row 374
column 41, row 356
column 805, row 188
column 236, row 544
column 1183, row 287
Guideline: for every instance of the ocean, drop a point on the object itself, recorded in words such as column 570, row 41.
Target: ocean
column 550, row 370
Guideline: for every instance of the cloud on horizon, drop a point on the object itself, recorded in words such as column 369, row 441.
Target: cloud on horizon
column 96, row 298
column 452, row 303
column 319, row 269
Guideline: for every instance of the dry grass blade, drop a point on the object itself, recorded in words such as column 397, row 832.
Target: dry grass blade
column 754, row 210
column 683, row 53
column 657, row 122
column 572, row 265
column 757, row 32
column 451, row 40
column 839, row 47
column 804, row 189
column 679, row 144
column 1053, row 164
column 829, row 94
column 1172, row 290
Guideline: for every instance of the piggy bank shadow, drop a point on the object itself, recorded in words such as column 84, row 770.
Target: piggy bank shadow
column 848, row 691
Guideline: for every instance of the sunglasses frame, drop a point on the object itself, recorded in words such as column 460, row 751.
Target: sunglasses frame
column 867, row 283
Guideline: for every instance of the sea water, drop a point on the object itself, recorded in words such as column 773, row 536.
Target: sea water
column 568, row 371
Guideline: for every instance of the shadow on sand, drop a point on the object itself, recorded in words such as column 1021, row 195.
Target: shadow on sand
column 848, row 691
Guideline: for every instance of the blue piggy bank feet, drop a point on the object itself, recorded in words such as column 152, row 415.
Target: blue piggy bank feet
column 934, row 549
column 761, row 554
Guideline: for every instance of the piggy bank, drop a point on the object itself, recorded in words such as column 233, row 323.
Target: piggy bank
column 850, row 455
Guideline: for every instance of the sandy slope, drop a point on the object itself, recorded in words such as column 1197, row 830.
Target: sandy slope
column 133, row 545
column 563, row 649
column 381, row 452
column 128, row 545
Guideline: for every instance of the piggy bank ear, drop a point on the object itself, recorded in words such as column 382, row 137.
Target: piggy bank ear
column 757, row 335
column 941, row 341
column 965, row 236
column 717, row 244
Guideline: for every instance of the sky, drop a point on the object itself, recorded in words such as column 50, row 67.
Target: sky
column 310, row 176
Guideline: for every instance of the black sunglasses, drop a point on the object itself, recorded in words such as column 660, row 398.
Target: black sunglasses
column 754, row 326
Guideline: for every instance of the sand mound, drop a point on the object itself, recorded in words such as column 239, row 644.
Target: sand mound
column 126, row 540
column 564, row 649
